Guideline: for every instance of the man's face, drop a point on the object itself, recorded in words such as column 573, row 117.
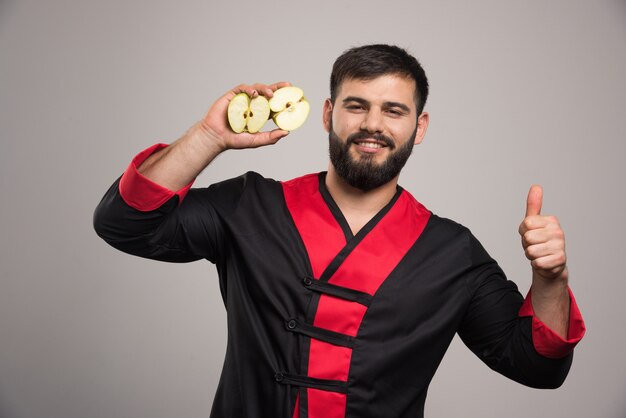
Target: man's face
column 372, row 129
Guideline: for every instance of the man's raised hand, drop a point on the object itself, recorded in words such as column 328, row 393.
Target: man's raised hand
column 543, row 239
column 215, row 123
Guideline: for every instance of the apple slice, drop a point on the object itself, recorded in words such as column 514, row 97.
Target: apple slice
column 258, row 114
column 248, row 115
column 290, row 108
column 238, row 112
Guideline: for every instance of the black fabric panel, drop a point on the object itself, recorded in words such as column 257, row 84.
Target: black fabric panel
column 262, row 270
column 408, row 326
column 244, row 227
column 446, row 283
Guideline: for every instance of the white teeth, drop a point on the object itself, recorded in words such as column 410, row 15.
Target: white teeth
column 369, row 144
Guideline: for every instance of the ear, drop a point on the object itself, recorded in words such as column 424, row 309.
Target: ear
column 422, row 125
column 327, row 114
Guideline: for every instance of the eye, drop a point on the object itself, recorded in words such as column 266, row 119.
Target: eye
column 395, row 112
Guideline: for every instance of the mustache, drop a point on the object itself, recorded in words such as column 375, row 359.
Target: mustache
column 377, row 136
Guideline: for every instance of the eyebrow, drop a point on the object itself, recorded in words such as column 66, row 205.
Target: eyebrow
column 385, row 104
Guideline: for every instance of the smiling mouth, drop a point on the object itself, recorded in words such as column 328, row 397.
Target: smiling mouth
column 371, row 140
column 369, row 143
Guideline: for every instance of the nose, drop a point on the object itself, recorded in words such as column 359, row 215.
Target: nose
column 372, row 121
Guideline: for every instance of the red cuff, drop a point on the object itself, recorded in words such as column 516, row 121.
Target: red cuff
column 547, row 342
column 141, row 193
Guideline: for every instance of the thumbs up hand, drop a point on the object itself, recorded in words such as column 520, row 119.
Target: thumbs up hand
column 543, row 239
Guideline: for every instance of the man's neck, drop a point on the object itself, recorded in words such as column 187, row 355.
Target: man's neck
column 357, row 206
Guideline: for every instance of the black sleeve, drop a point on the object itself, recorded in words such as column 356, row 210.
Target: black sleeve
column 494, row 331
column 175, row 233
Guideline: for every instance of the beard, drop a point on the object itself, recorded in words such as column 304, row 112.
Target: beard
column 363, row 172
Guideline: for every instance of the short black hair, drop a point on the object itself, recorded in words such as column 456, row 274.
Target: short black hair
column 371, row 61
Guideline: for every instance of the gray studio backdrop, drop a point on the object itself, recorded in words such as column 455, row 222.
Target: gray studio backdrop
column 522, row 93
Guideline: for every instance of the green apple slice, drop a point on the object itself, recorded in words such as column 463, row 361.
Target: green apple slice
column 258, row 114
column 293, row 117
column 284, row 96
column 238, row 109
column 290, row 108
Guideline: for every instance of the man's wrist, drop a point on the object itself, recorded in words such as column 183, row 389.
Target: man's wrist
column 209, row 139
column 556, row 284
column 551, row 301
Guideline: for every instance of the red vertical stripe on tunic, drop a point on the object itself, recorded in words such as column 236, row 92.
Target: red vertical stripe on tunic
column 331, row 361
column 325, row 404
column 349, row 321
column 364, row 269
column 320, row 232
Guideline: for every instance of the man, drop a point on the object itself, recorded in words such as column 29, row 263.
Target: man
column 342, row 291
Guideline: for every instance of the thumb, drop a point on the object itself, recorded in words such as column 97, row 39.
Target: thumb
column 534, row 200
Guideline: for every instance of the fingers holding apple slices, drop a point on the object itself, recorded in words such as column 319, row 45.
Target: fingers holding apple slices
column 289, row 108
column 249, row 115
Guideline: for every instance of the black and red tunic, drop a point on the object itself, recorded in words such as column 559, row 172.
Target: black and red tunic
column 326, row 324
